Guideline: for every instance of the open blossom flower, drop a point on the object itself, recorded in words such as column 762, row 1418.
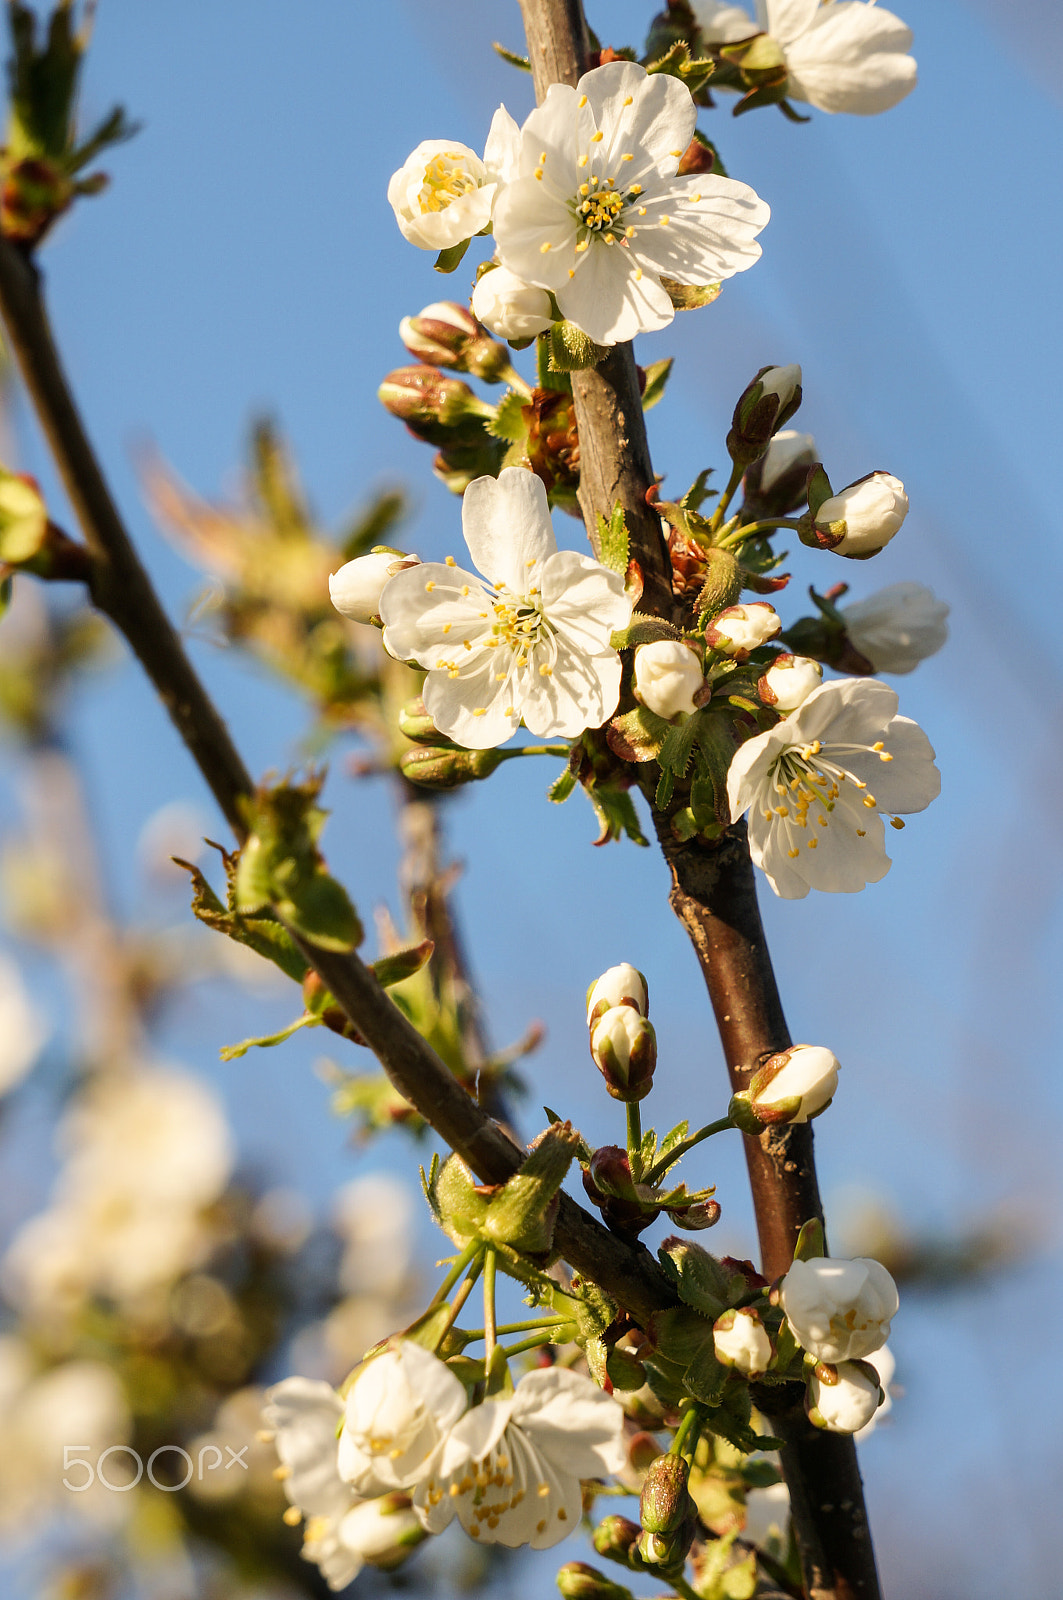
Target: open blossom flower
column 443, row 193
column 843, row 55
column 839, row 1310
column 510, row 307
column 897, row 627
column 342, row 1531
column 510, row 1470
column 597, row 214
column 817, row 785
column 528, row 640
column 399, row 1407
column 846, row 1401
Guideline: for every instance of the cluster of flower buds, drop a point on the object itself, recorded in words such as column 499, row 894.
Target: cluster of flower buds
column 629, row 1207
column 623, row 1043
column 793, row 1085
column 667, row 1513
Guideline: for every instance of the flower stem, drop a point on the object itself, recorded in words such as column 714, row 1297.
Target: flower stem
column 490, row 1330
column 659, row 1168
column 537, row 750
column 515, row 381
column 471, row 1250
column 725, row 499
column 687, row 1434
column 753, row 530
column 535, row 1342
column 472, row 1334
column 634, row 1139
column 681, row 1586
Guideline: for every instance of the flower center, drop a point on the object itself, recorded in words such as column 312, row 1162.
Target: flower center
column 598, row 209
column 445, row 180
column 808, row 784
column 519, row 622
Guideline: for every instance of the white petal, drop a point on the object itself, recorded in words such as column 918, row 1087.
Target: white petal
column 705, row 239
column 659, row 121
column 572, row 1422
column 507, row 527
column 580, row 692
column 853, row 58
column 855, row 710
column 529, row 215
column 911, row 780
column 786, row 20
column 305, row 1415
column 749, row 775
column 502, row 151
column 429, row 616
column 553, row 129
column 607, row 298
column 583, row 599
column 476, row 709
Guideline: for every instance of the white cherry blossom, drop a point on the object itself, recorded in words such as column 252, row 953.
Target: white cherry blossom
column 530, row 639
column 401, row 1404
column 846, row 1403
column 787, row 450
column 897, row 627
column 618, row 986
column 839, row 1310
column 510, row 1470
column 817, row 785
column 443, row 193
column 597, row 215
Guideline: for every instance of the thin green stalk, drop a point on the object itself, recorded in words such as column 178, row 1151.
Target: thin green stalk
column 634, row 1139
column 471, row 1249
column 535, row 1342
column 690, row 1424
column 753, row 530
column 490, row 1330
column 515, row 381
column 460, row 1298
column 681, row 1586
column 659, row 1168
column 472, row 1334
column 537, row 750
column 725, row 499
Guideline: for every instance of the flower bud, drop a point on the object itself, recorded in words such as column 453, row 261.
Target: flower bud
column 667, row 1552
column 898, row 627
column 446, row 334
column 415, row 723
column 665, row 1502
column 622, row 985
column 741, row 1341
column 23, row 518
column 740, row 629
column 795, row 1085
column 843, row 1398
column 697, row 1217
column 610, row 1186
column 609, row 1171
column 510, row 307
column 616, row 1538
column 839, row 1310
column 861, row 520
column 356, row 588
column 770, row 401
column 668, row 675
column 789, row 681
column 624, row 1048
column 33, row 193
column 382, row 1531
column 432, row 405
column 777, row 483
column 437, row 768
column 578, row 1581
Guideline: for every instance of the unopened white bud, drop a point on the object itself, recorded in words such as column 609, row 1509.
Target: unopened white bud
column 844, row 1398
column 667, row 677
column 898, row 627
column 787, row 450
column 356, row 588
column 789, row 681
column 862, row 519
column 622, row 985
column 743, row 628
column 624, row 1048
column 741, row 1341
column 510, row 307
column 795, row 1085
column 839, row 1310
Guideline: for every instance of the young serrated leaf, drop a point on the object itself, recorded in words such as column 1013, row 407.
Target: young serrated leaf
column 613, row 538
column 511, row 57
column 562, row 787
column 687, row 296
column 657, row 375
column 450, row 260
column 637, row 735
column 676, row 1136
column 264, row 934
column 665, row 786
column 699, row 491
column 616, row 814
column 509, row 421
column 705, row 1376
column 678, row 746
column 648, row 1149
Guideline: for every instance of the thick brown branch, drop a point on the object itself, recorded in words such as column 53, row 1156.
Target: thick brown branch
column 120, row 587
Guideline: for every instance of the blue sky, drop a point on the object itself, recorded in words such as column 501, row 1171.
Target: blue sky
column 245, row 259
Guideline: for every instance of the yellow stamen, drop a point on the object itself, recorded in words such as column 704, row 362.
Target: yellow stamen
column 429, row 586
column 543, row 248
column 895, row 822
column 451, row 562
column 581, row 102
column 596, row 138
column 582, row 162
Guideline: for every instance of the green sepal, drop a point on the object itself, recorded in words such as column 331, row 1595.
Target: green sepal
column 701, row 1281
column 761, row 53
column 281, row 866
column 571, row 350
column 643, row 630
column 511, row 57
column 449, row 260
column 811, row 1244
column 429, row 1328
column 319, row 909
column 679, row 62
column 562, row 787
column 451, row 1195
column 690, row 296
column 638, row 735
column 657, row 375
column 523, row 1213
column 583, row 1305
column 614, row 542
column 261, row 933
column 498, row 1380
column 819, row 489
column 508, row 421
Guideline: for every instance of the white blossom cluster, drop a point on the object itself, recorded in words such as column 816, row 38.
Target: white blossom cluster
column 404, row 1454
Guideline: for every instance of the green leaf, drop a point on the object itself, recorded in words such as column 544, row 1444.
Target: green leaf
column 232, row 1052
column 665, row 786
column 616, row 813
column 281, row 866
column 677, row 1135
column 402, row 964
column 657, row 375
column 811, row 1244
column 678, row 746
column 613, row 538
column 263, row 934
column 509, row 421
column 450, row 260
column 688, row 297
column 319, row 909
column 638, row 735
column 514, row 60
column 699, row 491
column 429, row 1328
column 705, row 1376
column 562, row 787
